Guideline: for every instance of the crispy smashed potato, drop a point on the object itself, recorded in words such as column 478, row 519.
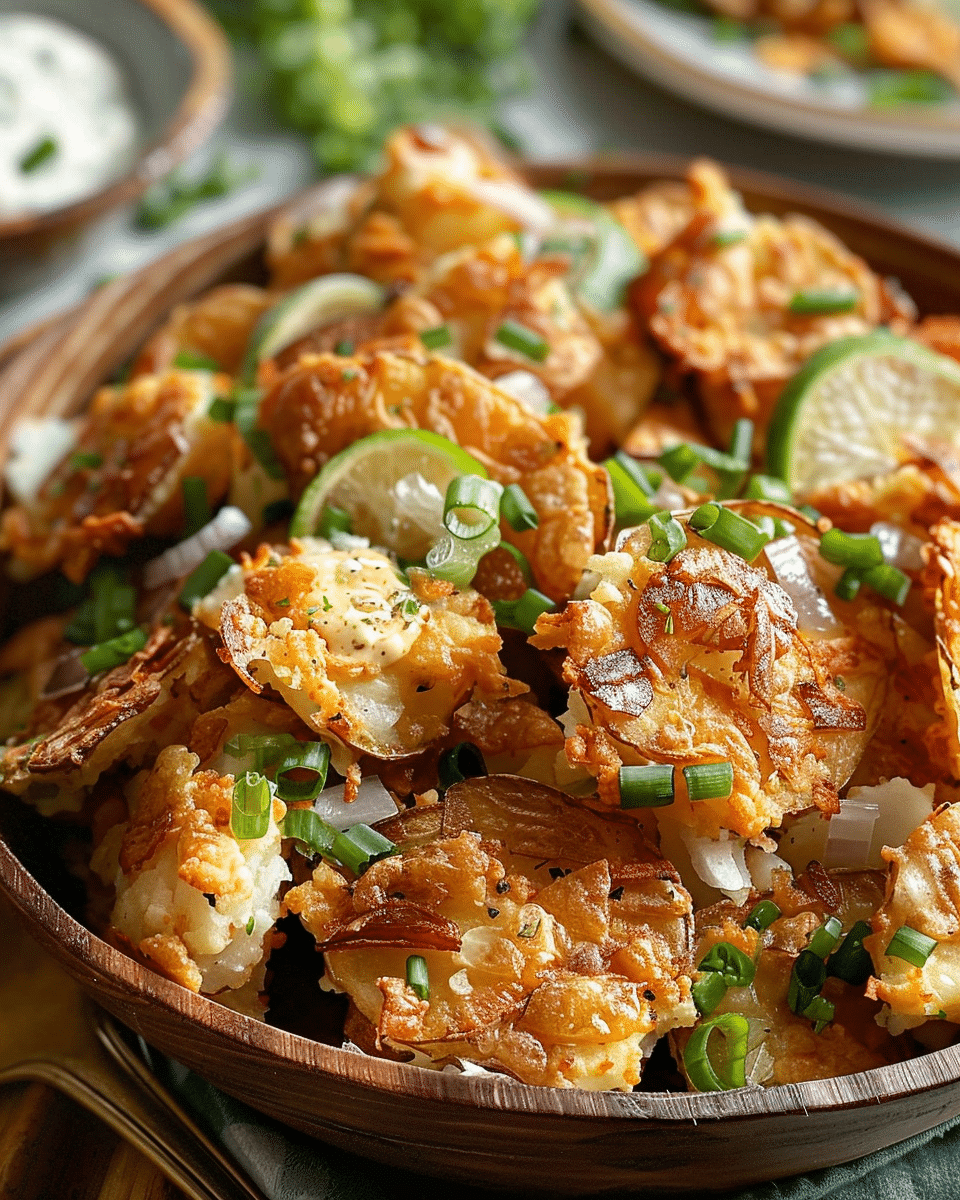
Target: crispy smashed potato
column 122, row 480
column 217, row 326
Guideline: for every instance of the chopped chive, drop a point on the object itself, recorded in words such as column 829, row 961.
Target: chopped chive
column 306, row 826
column 668, row 624
column 806, row 980
column 889, row 89
column 728, row 530
column 360, row 846
column 81, row 630
column 727, row 1069
column 708, row 991
column 848, row 584
column 708, row 781
column 823, row 941
column 203, row 579
column 334, row 520
column 222, row 409
column 728, row 29
column 646, row 787
column 721, row 238
column 850, row 961
column 191, row 360
column 888, row 581
column 344, row 348
column 437, row 338
column 661, row 607
column 762, row 915
column 418, row 978
column 735, row 968
column 631, row 489
column 522, row 613
column 251, row 925
column 667, row 537
column 530, row 929
column 104, row 656
column 86, row 460
column 911, row 946
column 851, row 41
column 252, row 802
column 822, row 302
column 821, row 1012
column 196, row 506
column 767, row 487
column 472, row 506
column 245, row 414
column 463, row 761
column 525, row 341
column 303, row 772
column 38, row 154
column 517, row 510
column 857, row 550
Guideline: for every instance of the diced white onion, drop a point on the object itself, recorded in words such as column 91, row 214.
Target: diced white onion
column 517, row 201
column 528, row 388
column 228, row 527
column 36, row 447
column 720, row 863
column 814, row 614
column 902, row 807
column 850, row 834
column 373, row 803
column 669, row 496
column 762, row 864
column 898, row 547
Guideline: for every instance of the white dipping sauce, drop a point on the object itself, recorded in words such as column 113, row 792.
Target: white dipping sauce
column 57, row 83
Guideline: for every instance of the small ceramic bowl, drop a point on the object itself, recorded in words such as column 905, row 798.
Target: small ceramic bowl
column 178, row 62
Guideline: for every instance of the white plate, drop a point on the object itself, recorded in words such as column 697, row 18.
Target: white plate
column 678, row 51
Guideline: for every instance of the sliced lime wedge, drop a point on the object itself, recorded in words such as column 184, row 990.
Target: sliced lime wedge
column 604, row 257
column 319, row 302
column 844, row 414
column 392, row 484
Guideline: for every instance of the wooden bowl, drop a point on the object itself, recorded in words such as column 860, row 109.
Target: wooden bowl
column 180, row 61
column 482, row 1130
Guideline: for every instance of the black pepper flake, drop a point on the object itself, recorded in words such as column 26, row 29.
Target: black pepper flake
column 210, row 899
column 492, row 913
column 559, row 872
column 502, row 887
column 397, row 896
column 617, row 893
column 648, row 995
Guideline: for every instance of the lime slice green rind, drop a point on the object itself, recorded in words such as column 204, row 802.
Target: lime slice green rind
column 611, row 261
column 844, row 414
column 317, row 303
column 361, row 479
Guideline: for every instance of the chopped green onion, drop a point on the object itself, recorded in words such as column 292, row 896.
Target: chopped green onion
column 277, row 510
column 456, row 560
column 38, row 154
column 86, row 460
column 679, row 461
column 646, row 787
column 735, row 968
column 767, row 487
column 857, row 550
column 741, row 440
column 730, row 1071
column 851, row 41
column 708, row 991
column 334, row 520
column 436, row 338
column 245, row 414
column 708, row 781
column 822, row 302
column 521, row 560
column 344, row 348
column 667, row 537
column 418, row 978
column 888, row 581
column 811, row 513
column 848, row 584
column 222, row 409
column 311, row 760
column 728, row 29
column 762, row 915
column 911, row 946
column 765, row 525
column 806, row 980
column 523, row 612
column 728, row 530
column 823, row 941
column 360, row 846
column 889, row 89
column 251, row 925
column 525, row 341
column 104, row 656
column 517, row 510
column 472, row 506
column 530, row 929
column 463, row 761
column 782, row 528
column 190, row 360
column 821, row 1011
column 81, row 629
column 252, row 804
column 266, row 748
column 203, row 579
column 850, row 961
column 721, row 238
column 196, row 506
column 114, row 603
column 307, row 826
column 631, row 489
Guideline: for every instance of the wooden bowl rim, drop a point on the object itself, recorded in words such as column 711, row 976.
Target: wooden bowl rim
column 200, row 110
column 83, row 949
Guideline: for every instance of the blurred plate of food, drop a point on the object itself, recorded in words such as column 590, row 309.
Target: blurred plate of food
column 874, row 74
